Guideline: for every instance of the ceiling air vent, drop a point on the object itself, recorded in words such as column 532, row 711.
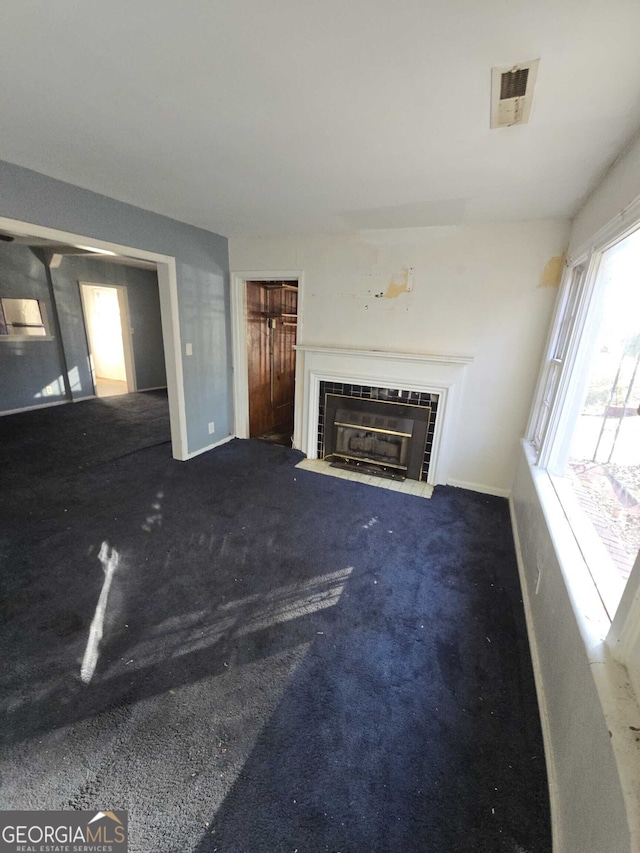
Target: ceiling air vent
column 512, row 93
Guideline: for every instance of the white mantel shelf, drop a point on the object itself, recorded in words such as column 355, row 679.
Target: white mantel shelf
column 426, row 358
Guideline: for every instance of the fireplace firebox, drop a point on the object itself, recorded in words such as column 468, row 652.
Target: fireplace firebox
column 382, row 437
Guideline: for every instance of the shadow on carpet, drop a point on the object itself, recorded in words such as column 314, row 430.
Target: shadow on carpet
column 289, row 662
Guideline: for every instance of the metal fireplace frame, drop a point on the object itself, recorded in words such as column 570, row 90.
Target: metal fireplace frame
column 382, row 410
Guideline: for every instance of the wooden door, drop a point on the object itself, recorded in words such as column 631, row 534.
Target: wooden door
column 271, row 334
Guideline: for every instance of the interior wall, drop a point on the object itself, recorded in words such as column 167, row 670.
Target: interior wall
column 144, row 311
column 608, row 201
column 475, row 290
column 202, row 270
column 588, row 803
column 30, row 371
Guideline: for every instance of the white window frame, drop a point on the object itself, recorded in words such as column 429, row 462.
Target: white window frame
column 548, row 434
column 21, row 336
column 558, row 363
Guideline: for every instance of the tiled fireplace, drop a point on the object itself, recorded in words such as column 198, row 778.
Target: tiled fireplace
column 427, row 402
column 429, row 382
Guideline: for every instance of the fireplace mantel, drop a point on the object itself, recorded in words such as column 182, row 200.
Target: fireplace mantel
column 441, row 374
column 394, row 356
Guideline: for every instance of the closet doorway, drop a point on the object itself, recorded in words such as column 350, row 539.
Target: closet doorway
column 272, row 316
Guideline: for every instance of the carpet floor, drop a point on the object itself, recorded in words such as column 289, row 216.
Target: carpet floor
column 288, row 662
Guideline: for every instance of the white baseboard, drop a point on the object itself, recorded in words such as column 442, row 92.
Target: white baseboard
column 33, row 408
column 540, row 691
column 210, row 447
column 87, row 397
column 480, row 487
column 154, row 388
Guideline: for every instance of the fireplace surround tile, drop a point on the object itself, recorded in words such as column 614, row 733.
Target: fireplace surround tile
column 392, row 395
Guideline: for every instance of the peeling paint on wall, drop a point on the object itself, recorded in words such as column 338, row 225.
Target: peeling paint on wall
column 552, row 272
column 395, row 288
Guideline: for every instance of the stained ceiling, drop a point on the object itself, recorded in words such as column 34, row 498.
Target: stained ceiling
column 248, row 117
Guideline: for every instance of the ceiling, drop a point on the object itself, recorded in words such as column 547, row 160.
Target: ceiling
column 248, row 117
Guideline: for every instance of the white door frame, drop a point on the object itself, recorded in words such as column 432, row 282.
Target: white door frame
column 239, row 281
column 125, row 327
column 168, row 290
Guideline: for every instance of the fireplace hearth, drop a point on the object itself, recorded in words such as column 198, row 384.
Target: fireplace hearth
column 383, row 437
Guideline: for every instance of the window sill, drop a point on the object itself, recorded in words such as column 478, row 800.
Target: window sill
column 618, row 701
column 13, row 339
column 604, row 574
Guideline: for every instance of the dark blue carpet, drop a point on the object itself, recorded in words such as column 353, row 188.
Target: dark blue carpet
column 289, row 661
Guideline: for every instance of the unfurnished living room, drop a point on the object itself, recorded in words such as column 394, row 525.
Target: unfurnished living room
column 320, row 426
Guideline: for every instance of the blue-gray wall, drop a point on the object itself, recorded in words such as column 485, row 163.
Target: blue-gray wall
column 27, row 367
column 202, row 265
column 144, row 309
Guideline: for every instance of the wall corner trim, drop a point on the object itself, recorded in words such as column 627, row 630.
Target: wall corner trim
column 213, row 446
column 540, row 690
column 484, row 489
column 33, row 408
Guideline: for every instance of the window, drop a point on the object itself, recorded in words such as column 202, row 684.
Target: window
column 22, row 318
column 586, row 422
column 566, row 322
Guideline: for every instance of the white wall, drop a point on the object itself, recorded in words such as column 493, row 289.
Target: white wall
column 608, row 201
column 476, row 291
column 587, row 802
column 587, row 702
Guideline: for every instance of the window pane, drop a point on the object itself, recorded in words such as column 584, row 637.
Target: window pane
column 569, row 314
column 555, row 365
column 544, row 410
column 604, row 457
column 22, row 317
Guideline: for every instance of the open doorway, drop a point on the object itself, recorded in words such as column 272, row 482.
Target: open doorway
column 106, row 314
column 272, row 314
column 51, row 239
